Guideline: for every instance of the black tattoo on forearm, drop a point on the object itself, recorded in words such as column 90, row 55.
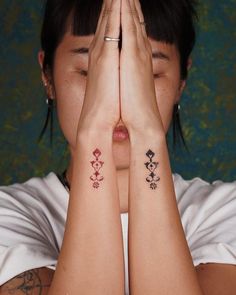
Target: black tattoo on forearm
column 27, row 283
column 152, row 166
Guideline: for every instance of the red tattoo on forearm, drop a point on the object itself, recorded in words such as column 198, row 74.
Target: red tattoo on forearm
column 97, row 165
column 151, row 166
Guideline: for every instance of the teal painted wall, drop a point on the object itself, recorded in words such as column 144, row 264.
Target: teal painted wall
column 208, row 105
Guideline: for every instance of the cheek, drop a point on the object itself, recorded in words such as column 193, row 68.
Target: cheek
column 69, row 92
column 167, row 92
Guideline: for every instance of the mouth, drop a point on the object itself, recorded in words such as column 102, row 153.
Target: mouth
column 120, row 133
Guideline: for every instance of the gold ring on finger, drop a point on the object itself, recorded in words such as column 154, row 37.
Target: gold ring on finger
column 142, row 23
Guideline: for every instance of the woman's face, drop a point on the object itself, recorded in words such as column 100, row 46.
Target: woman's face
column 69, row 83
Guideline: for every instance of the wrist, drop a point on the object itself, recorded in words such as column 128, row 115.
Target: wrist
column 96, row 136
column 147, row 133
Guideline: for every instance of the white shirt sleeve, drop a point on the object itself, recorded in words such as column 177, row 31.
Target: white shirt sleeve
column 26, row 240
column 208, row 214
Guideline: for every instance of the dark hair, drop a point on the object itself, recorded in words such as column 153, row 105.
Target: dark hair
column 169, row 21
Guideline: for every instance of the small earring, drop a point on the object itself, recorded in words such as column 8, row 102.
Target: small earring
column 177, row 128
column 49, row 120
column 45, row 83
column 50, row 102
column 177, row 109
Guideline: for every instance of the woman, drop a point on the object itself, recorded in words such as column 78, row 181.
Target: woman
column 67, row 237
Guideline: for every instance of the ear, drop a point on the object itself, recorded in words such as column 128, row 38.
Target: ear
column 46, row 77
column 41, row 60
column 190, row 62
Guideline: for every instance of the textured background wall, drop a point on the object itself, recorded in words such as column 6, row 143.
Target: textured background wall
column 208, row 105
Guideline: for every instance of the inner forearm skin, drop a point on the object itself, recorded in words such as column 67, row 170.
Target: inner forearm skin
column 159, row 258
column 91, row 259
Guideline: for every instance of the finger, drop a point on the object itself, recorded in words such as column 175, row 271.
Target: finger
column 141, row 17
column 129, row 28
column 112, row 28
column 102, row 22
column 100, row 17
column 95, row 42
column 140, row 35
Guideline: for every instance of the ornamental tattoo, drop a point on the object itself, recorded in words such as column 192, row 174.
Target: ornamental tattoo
column 26, row 283
column 97, row 165
column 151, row 166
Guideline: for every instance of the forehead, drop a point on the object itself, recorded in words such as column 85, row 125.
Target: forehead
column 81, row 44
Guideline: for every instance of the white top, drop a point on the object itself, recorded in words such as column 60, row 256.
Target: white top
column 33, row 214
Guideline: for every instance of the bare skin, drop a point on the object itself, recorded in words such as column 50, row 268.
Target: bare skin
column 70, row 99
column 68, row 89
column 69, row 86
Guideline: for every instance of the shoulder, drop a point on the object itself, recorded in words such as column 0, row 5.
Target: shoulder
column 35, row 187
column 38, row 205
column 199, row 192
column 32, row 218
column 33, row 196
column 208, row 217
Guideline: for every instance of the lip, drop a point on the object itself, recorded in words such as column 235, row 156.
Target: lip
column 121, row 129
column 120, row 133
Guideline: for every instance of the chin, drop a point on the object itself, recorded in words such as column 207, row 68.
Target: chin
column 120, row 166
column 121, row 153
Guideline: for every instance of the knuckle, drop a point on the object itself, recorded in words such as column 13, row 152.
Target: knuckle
column 106, row 12
column 110, row 28
column 131, row 11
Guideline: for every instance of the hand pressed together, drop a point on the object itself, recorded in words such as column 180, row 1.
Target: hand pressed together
column 139, row 108
column 101, row 108
column 120, row 84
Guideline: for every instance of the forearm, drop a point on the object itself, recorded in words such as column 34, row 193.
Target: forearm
column 91, row 259
column 159, row 258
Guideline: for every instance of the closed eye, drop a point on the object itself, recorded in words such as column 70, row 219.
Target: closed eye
column 83, row 73
column 158, row 75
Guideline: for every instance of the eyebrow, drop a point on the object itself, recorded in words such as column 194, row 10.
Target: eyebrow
column 81, row 50
column 155, row 54
column 160, row 55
